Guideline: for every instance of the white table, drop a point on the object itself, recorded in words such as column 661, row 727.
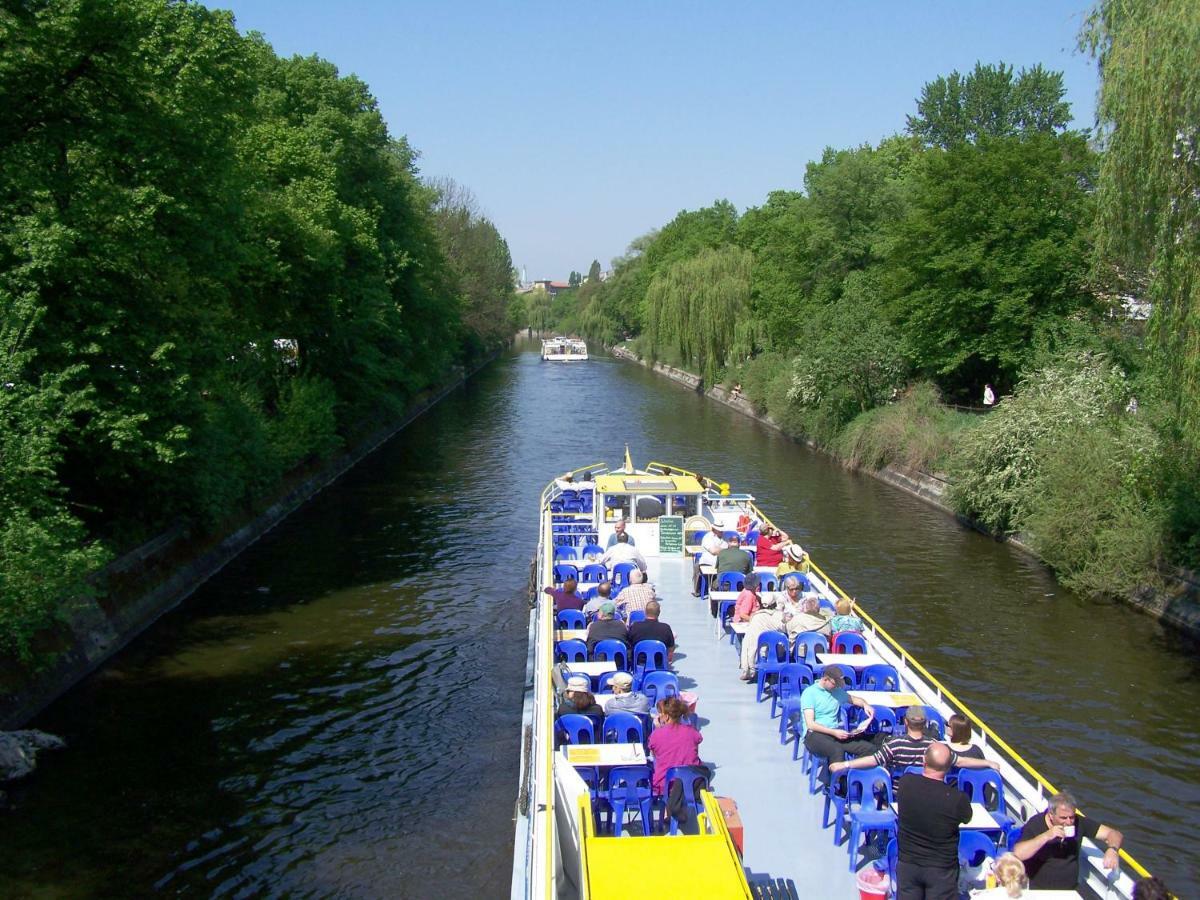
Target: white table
column 605, row 754
column 981, row 820
column 571, row 634
column 892, row 699
column 853, row 660
column 598, row 667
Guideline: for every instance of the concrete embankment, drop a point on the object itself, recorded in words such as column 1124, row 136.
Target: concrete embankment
column 151, row 580
column 1175, row 603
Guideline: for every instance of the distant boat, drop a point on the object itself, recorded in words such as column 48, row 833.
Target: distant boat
column 561, row 349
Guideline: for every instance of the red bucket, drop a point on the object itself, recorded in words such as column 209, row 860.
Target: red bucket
column 872, row 884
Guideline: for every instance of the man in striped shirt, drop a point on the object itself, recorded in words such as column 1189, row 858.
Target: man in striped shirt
column 908, row 749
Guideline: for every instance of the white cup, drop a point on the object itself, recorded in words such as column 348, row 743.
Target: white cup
column 1068, row 831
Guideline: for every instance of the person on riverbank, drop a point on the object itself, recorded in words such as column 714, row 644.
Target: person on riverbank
column 989, row 395
column 734, row 559
column 625, row 698
column 651, row 629
column 820, row 706
column 636, row 595
column 565, row 596
column 931, row 812
column 606, row 628
column 768, row 549
column 1049, row 844
column 618, row 530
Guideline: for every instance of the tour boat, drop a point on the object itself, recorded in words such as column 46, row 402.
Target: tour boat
column 562, row 349
column 765, row 829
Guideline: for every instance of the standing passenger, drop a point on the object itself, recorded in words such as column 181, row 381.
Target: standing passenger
column 930, row 815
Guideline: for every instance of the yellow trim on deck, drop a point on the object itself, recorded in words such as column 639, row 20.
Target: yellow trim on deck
column 663, row 866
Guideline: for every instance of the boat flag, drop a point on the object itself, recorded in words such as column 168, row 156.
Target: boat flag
column 628, row 461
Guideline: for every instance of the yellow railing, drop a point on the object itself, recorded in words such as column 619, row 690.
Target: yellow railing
column 945, row 692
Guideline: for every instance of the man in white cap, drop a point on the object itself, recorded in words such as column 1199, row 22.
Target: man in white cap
column 710, row 545
column 618, row 530
column 625, row 698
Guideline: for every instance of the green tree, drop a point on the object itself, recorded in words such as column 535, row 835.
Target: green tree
column 990, row 102
column 992, row 251
column 593, row 275
column 1149, row 189
column 698, row 310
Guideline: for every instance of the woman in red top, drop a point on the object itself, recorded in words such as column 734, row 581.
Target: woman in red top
column 747, row 601
column 768, row 550
column 672, row 743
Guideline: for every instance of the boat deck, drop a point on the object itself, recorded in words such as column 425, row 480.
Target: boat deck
column 787, row 852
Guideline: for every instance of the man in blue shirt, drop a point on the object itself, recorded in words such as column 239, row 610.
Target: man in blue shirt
column 618, row 530
column 820, row 706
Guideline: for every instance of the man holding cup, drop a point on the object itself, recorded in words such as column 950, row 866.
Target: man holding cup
column 1049, row 845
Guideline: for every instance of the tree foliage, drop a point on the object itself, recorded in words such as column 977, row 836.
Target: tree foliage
column 990, row 102
column 1149, row 192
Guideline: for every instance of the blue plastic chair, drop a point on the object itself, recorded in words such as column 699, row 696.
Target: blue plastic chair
column 770, row 655
column 848, row 642
column 884, row 721
column 620, row 574
column 695, row 780
column 987, row 787
column 629, row 789
column 623, row 728
column 768, row 583
column 636, row 615
column 725, row 617
column 571, row 651
column 563, row 571
column 612, row 650
column 807, row 645
column 572, row 506
column 731, row 581
column 879, row 678
column 571, row 619
column 591, row 550
column 660, row 685
column 565, row 552
column 934, row 723
column 792, row 678
column 649, row 656
column 588, row 593
column 974, row 847
column 594, row 572
column 576, row 729
column 868, row 802
column 604, row 682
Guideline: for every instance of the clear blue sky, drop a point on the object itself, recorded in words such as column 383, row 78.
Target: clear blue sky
column 579, row 128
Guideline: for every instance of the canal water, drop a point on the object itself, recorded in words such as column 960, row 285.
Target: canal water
column 337, row 713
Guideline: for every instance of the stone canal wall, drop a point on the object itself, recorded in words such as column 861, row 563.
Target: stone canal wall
column 159, row 575
column 1176, row 603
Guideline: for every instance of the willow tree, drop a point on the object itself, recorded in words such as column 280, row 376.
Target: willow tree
column 1149, row 196
column 699, row 307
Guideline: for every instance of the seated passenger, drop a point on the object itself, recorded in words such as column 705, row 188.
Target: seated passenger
column 824, row 737
column 603, row 595
column 908, row 749
column 565, row 596
column 625, row 698
column 769, row 547
column 650, row 629
column 606, row 628
column 1049, row 844
column 794, row 560
column 618, row 530
column 958, row 734
column 806, row 616
column 672, row 742
column 766, row 618
column 734, row 559
column 578, row 698
column 747, row 601
column 1011, row 880
column 621, row 551
column 636, row 595
column 845, row 620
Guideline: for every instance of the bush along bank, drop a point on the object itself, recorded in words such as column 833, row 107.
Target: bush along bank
column 138, row 588
column 1013, row 473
